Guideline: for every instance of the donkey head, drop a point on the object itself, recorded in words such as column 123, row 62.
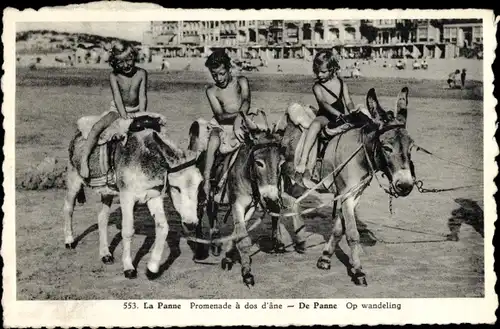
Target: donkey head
column 183, row 180
column 265, row 159
column 394, row 142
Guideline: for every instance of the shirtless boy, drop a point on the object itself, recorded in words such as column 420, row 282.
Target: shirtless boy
column 228, row 98
column 128, row 86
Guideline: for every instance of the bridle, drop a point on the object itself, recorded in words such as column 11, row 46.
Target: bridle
column 374, row 154
column 174, row 169
column 250, row 159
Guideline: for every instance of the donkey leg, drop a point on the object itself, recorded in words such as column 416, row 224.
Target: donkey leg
column 155, row 206
column 298, row 223
column 74, row 184
column 127, row 204
column 324, row 262
column 212, row 210
column 102, row 222
column 352, row 235
column 244, row 243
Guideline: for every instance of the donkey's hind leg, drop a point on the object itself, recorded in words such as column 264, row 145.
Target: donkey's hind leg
column 212, row 210
column 74, row 185
column 102, row 222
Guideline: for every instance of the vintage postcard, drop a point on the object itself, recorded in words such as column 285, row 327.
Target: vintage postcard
column 247, row 167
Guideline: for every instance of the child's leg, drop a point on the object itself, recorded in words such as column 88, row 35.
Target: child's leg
column 92, row 139
column 213, row 146
column 311, row 136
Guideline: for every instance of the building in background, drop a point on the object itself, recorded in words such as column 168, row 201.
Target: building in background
column 388, row 38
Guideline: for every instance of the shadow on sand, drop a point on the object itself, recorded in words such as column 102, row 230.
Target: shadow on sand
column 144, row 225
column 469, row 213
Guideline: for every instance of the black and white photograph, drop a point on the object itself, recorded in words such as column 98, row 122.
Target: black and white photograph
column 301, row 165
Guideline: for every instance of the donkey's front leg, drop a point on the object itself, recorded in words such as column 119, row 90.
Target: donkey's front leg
column 243, row 243
column 127, row 202
column 298, row 223
column 155, row 206
column 352, row 235
column 102, row 223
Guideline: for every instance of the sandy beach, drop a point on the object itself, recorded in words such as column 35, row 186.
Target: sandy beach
column 439, row 69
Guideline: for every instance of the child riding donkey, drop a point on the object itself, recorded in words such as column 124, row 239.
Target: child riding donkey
column 128, row 86
column 336, row 110
column 229, row 98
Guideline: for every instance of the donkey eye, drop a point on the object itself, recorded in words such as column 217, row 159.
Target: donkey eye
column 387, row 148
column 260, row 163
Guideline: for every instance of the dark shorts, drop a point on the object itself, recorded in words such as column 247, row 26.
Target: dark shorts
column 449, row 81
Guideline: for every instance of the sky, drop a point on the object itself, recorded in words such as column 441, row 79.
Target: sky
column 125, row 30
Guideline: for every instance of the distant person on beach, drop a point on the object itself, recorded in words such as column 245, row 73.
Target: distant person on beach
column 128, row 87
column 462, row 77
column 279, row 68
column 165, row 64
column 228, row 98
column 453, row 78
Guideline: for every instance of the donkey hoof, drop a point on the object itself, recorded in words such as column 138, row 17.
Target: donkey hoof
column 216, row 250
column 279, row 247
column 359, row 279
column 71, row 245
column 130, row 274
column 323, row 264
column 300, row 247
column 152, row 275
column 108, row 259
column 248, row 279
column 226, row 263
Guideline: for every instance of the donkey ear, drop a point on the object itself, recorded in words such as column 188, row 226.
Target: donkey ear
column 402, row 105
column 372, row 101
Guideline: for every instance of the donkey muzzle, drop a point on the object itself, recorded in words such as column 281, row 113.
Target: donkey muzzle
column 271, row 197
column 403, row 182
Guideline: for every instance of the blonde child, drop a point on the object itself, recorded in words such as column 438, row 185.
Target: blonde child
column 128, row 86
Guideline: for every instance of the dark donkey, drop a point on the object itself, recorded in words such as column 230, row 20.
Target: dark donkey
column 382, row 145
column 253, row 179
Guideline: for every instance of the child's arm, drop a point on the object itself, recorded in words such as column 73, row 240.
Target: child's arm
column 348, row 99
column 143, row 98
column 245, row 94
column 322, row 101
column 117, row 97
column 220, row 116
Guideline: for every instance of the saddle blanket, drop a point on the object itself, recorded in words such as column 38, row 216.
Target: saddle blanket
column 118, row 129
column 101, row 166
column 228, row 140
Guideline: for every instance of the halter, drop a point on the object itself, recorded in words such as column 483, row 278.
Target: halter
column 174, row 169
column 378, row 133
column 255, row 189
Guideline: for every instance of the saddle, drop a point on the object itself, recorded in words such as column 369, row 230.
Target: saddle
column 102, row 158
column 121, row 127
column 303, row 115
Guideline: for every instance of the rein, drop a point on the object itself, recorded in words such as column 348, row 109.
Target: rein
column 174, row 169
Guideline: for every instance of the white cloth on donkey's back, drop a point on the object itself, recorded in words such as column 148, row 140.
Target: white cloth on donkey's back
column 118, row 128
